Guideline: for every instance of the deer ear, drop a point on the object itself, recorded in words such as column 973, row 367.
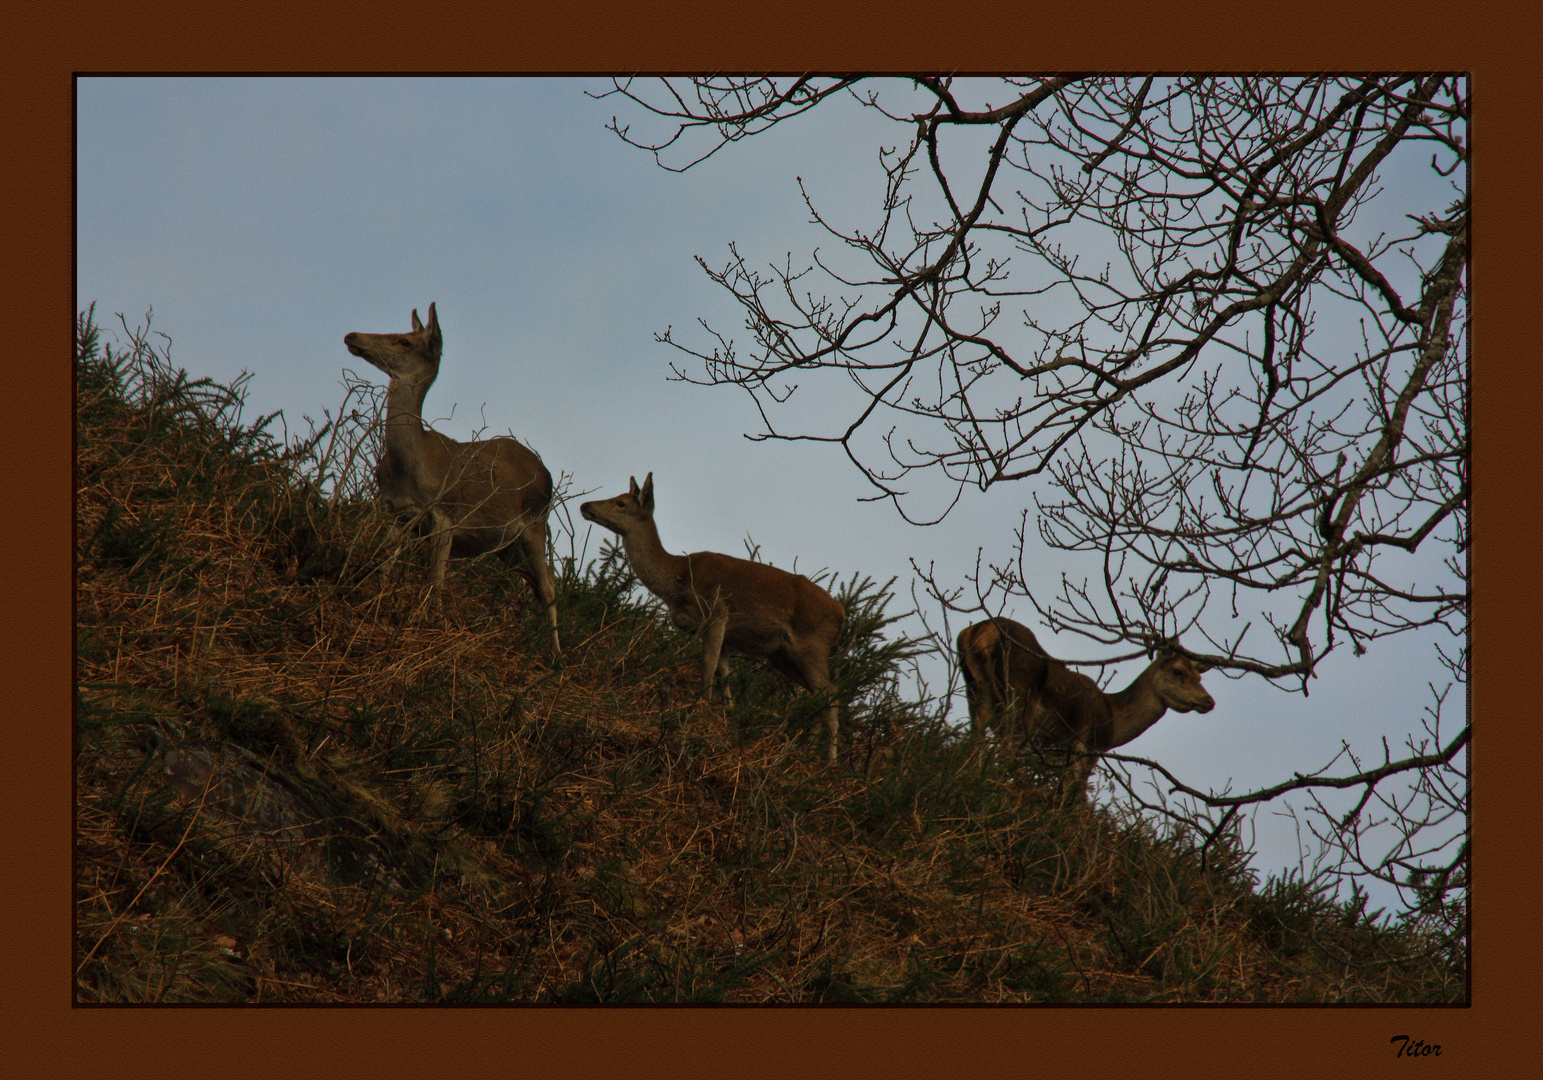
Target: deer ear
column 435, row 338
column 416, row 324
column 646, row 499
column 632, row 485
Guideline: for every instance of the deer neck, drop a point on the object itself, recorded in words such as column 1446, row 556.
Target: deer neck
column 1133, row 710
column 659, row 571
column 404, row 424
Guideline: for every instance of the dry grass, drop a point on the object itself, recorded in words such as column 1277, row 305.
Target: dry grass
column 291, row 788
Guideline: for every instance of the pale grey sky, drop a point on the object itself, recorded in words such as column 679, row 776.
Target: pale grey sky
column 263, row 219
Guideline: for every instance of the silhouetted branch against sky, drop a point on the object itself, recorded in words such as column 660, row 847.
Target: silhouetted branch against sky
column 1209, row 333
column 1214, row 330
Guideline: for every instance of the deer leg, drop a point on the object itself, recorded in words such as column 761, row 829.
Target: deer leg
column 814, row 670
column 712, row 648
column 396, row 539
column 1076, row 775
column 986, row 712
column 532, row 545
column 831, row 722
column 439, row 561
column 723, row 677
column 977, row 706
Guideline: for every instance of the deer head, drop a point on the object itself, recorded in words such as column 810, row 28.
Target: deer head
column 1176, row 682
column 412, row 358
column 625, row 512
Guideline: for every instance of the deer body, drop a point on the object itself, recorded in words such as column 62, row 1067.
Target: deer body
column 1026, row 696
column 470, row 498
column 739, row 606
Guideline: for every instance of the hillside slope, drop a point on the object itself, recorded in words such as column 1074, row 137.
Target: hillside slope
column 292, row 787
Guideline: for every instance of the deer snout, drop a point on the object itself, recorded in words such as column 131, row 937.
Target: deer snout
column 586, row 511
column 1188, row 699
column 351, row 342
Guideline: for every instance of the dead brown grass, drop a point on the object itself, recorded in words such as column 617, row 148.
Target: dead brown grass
column 291, row 788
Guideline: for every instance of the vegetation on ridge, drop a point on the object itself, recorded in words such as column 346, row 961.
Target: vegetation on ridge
column 292, row 788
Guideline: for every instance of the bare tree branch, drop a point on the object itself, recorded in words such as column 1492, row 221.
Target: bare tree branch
column 1216, row 326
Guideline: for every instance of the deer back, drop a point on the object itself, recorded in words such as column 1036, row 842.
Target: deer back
column 1072, row 708
column 489, row 489
column 1001, row 661
column 762, row 600
column 1017, row 689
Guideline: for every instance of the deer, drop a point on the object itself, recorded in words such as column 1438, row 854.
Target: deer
column 1018, row 691
column 470, row 498
column 739, row 606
